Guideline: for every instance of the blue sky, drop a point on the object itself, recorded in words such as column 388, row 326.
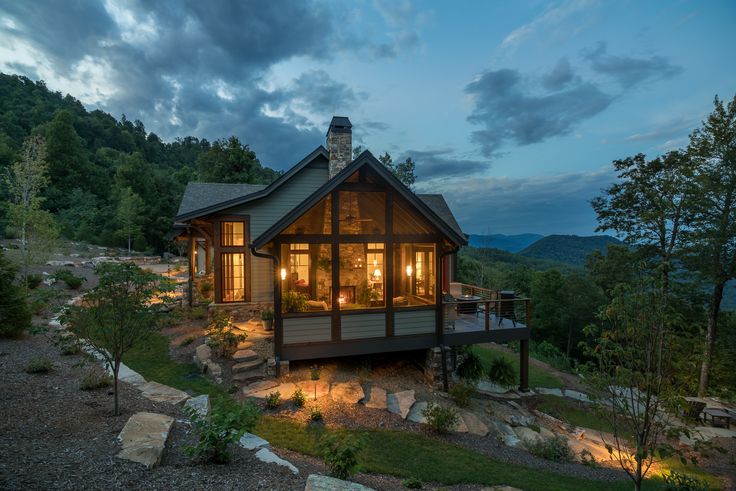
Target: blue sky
column 513, row 110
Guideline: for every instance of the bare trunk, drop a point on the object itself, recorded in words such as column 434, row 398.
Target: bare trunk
column 710, row 336
column 569, row 340
column 129, row 244
column 115, row 371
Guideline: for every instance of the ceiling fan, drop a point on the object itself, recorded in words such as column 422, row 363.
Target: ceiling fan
column 350, row 218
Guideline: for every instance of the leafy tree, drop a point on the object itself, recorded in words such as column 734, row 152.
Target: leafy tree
column 404, row 171
column 118, row 314
column 230, row 161
column 129, row 215
column 647, row 207
column 26, row 180
column 615, row 268
column 712, row 233
column 633, row 375
column 357, row 151
column 15, row 316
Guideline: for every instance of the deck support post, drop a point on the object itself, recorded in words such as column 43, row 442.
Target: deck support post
column 524, row 365
column 445, row 383
column 190, row 294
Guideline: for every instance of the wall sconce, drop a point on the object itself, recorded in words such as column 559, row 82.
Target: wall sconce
column 283, row 274
column 409, row 270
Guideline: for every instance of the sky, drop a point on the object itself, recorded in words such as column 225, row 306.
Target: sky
column 514, row 110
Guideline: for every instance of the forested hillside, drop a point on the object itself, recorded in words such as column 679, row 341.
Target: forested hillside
column 510, row 243
column 570, row 249
column 98, row 165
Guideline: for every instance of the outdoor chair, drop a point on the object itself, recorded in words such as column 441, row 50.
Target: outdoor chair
column 506, row 309
column 691, row 410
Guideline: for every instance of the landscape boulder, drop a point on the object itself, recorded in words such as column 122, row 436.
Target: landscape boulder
column 375, row 398
column 315, row 482
column 200, row 404
column 401, row 402
column 144, row 438
column 265, row 455
column 347, row 392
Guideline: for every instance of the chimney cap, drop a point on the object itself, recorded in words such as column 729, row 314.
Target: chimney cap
column 340, row 124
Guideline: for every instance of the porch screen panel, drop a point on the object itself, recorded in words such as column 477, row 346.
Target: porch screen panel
column 414, row 274
column 233, row 277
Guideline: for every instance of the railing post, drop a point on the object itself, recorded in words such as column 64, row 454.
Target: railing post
column 524, row 365
column 528, row 309
column 488, row 315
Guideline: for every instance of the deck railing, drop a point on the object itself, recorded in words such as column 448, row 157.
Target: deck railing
column 465, row 299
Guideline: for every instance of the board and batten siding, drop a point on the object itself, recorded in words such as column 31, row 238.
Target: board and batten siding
column 414, row 322
column 267, row 211
column 307, row 329
column 362, row 326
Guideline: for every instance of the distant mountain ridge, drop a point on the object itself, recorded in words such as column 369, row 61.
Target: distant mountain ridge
column 570, row 249
column 510, row 243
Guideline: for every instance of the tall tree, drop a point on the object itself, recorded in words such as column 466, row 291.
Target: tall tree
column 404, row 171
column 129, row 216
column 647, row 206
column 712, row 219
column 230, row 161
column 26, row 180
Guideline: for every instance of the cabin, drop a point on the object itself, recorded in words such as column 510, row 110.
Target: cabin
column 350, row 259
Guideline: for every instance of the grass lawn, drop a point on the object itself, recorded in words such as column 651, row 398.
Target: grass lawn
column 538, row 377
column 405, row 454
column 151, row 359
column 573, row 412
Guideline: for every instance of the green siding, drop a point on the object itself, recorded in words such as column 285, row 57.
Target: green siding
column 414, row 322
column 307, row 329
column 361, row 326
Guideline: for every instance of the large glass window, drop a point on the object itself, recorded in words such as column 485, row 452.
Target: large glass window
column 232, row 234
column 407, row 220
column 414, row 275
column 306, row 276
column 316, row 221
column 233, row 277
column 362, row 213
column 362, row 276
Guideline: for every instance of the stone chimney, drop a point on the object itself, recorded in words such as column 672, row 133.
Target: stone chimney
column 339, row 144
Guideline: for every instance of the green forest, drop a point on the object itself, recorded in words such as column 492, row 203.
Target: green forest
column 108, row 177
column 676, row 214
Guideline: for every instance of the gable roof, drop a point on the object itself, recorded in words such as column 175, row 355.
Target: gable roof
column 199, row 195
column 438, row 204
column 199, row 205
column 451, row 230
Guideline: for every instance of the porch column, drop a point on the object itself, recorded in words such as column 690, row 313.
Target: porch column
column 207, row 256
column 524, row 365
column 190, row 293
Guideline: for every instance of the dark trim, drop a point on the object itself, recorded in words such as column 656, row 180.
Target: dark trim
column 220, row 250
column 358, row 347
column 366, row 158
column 321, row 150
column 278, row 334
column 349, row 239
column 388, row 291
column 491, row 336
column 335, row 216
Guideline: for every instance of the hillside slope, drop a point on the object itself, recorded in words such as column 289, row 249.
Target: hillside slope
column 570, row 249
column 510, row 243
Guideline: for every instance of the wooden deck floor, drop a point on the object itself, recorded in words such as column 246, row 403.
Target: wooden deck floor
column 471, row 329
column 472, row 323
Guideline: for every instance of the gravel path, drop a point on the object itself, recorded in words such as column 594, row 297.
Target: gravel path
column 55, row 436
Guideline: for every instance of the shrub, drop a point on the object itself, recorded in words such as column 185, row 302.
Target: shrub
column 551, row 354
column 293, row 302
column 220, row 336
column 412, row 483
column 39, row 365
column 94, row 380
column 439, row 418
column 188, row 340
column 206, row 289
column 555, row 449
column 298, row 398
column 501, row 371
column 340, row 453
column 587, row 458
column 72, row 281
column 69, row 344
column 223, row 427
column 461, row 394
column 267, row 315
column 315, row 414
column 33, row 280
column 471, row 367
column 15, row 314
column 273, row 400
column 677, row 481
column 197, row 312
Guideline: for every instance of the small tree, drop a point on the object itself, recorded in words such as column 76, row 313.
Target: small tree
column 130, row 215
column 15, row 316
column 25, row 180
column 632, row 373
column 117, row 314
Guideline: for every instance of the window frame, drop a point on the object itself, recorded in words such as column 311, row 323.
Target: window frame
column 221, row 249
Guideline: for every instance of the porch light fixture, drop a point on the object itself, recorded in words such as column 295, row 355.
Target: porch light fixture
column 283, row 274
column 409, row 270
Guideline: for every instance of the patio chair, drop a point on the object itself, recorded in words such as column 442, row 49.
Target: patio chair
column 506, row 310
column 691, row 410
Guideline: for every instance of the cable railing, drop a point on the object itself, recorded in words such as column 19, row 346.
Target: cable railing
column 464, row 301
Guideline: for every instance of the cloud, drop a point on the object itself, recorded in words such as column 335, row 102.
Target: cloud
column 629, row 71
column 676, row 128
column 540, row 204
column 509, row 110
column 561, row 75
column 192, row 67
column 441, row 164
column 551, row 18
column 405, row 20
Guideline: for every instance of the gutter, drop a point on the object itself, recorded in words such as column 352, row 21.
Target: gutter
column 278, row 332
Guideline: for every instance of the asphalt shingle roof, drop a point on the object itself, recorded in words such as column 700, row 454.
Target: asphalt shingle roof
column 438, row 205
column 200, row 195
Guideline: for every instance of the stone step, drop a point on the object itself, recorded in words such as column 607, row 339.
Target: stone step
column 245, row 355
column 144, row 437
column 259, row 386
column 249, row 376
column 245, row 345
column 247, row 365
